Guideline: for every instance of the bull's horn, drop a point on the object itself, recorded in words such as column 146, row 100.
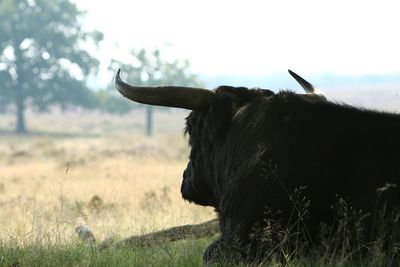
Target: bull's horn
column 167, row 96
column 308, row 87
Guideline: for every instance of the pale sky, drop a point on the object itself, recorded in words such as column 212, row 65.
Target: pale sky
column 255, row 37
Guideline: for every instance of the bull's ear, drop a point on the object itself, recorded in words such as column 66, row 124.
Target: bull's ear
column 308, row 87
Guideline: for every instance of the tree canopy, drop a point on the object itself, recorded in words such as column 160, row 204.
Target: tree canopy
column 42, row 56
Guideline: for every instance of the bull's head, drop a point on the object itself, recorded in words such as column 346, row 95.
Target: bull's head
column 212, row 113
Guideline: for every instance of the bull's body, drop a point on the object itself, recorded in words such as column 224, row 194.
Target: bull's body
column 258, row 154
column 251, row 149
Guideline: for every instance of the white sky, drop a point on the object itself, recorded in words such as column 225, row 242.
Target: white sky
column 255, row 37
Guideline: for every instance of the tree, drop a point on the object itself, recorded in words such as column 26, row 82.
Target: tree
column 42, row 61
column 150, row 69
column 111, row 103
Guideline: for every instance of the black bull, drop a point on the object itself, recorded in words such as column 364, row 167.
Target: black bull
column 252, row 148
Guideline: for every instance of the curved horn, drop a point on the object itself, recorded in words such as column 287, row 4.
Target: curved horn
column 308, row 87
column 167, row 96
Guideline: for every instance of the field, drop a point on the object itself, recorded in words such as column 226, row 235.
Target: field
column 100, row 171
column 91, row 169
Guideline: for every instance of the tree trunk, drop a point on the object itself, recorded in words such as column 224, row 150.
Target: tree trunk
column 19, row 103
column 19, row 94
column 149, row 121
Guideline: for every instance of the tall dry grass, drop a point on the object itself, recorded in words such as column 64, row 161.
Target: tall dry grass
column 96, row 170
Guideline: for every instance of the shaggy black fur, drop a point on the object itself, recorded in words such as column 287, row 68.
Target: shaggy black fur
column 251, row 149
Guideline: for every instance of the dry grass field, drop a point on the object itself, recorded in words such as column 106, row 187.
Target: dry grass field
column 96, row 170
column 101, row 171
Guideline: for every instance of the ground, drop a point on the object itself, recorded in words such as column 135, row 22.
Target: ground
column 92, row 169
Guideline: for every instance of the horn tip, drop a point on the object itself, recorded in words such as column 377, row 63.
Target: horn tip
column 293, row 74
column 119, row 83
column 117, row 80
column 118, row 74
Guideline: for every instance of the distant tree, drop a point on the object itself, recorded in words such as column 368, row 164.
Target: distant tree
column 42, row 61
column 111, row 103
column 150, row 69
